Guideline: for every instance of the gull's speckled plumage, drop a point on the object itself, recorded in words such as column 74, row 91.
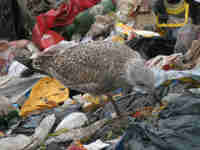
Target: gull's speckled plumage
column 97, row 68
column 94, row 67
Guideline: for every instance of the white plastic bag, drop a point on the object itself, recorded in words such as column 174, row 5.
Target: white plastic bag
column 73, row 120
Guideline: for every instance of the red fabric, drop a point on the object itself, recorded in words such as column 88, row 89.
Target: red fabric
column 64, row 15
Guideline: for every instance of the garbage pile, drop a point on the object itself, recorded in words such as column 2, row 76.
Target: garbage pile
column 99, row 75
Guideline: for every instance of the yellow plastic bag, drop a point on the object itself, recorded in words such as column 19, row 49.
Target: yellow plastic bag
column 47, row 93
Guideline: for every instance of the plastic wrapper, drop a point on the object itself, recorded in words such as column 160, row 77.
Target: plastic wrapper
column 131, row 32
column 126, row 32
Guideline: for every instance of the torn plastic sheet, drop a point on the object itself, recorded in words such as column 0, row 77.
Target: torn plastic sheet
column 177, row 127
column 16, row 87
column 166, row 77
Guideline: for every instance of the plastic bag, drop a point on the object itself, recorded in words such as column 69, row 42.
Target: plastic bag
column 62, row 16
column 150, row 47
column 16, row 87
column 177, row 128
column 47, row 93
column 15, row 142
column 72, row 121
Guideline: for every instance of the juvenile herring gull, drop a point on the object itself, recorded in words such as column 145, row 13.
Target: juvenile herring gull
column 98, row 67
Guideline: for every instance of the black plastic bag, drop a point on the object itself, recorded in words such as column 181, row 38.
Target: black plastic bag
column 178, row 128
column 152, row 47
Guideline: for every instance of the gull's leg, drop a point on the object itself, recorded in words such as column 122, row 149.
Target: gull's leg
column 157, row 98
